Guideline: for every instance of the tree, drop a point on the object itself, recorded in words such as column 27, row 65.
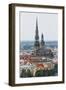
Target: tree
column 29, row 74
column 23, row 73
column 39, row 73
column 56, row 68
column 45, row 72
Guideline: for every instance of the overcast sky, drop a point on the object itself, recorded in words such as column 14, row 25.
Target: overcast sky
column 47, row 24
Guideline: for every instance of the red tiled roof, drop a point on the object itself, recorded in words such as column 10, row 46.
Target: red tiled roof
column 40, row 65
column 25, row 57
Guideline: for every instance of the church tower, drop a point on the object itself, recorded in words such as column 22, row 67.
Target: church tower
column 36, row 44
column 42, row 41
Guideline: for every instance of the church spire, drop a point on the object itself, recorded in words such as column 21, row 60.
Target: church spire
column 36, row 44
column 36, row 35
column 42, row 40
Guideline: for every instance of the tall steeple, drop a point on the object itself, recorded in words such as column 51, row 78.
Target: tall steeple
column 36, row 44
column 42, row 40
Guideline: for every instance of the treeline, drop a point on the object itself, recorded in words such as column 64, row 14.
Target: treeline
column 40, row 73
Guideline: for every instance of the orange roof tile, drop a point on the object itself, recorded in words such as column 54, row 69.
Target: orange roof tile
column 40, row 65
